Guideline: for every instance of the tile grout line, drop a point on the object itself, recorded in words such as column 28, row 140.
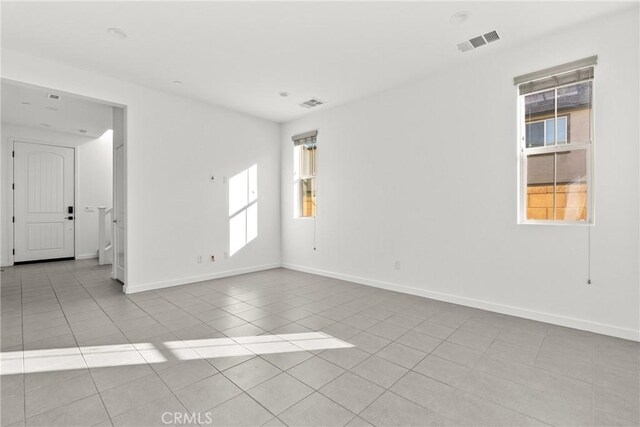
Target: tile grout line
column 153, row 371
column 472, row 368
column 388, row 389
column 205, row 360
column 24, row 375
column 320, row 302
column 74, row 401
column 78, row 344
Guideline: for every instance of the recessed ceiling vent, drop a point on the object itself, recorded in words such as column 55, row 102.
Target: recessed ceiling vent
column 476, row 42
column 53, row 96
column 312, row 103
column 465, row 46
column 492, row 36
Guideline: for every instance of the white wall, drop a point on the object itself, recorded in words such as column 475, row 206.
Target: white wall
column 427, row 174
column 173, row 144
column 93, row 179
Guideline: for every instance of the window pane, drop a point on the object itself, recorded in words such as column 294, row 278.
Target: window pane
column 550, row 131
column 574, row 102
column 307, row 160
column 571, row 185
column 540, row 185
column 537, row 108
column 308, row 197
column 535, row 134
column 562, row 130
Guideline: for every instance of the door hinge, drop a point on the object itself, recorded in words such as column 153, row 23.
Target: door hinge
column 14, row 219
column 14, row 251
column 13, row 186
column 13, row 153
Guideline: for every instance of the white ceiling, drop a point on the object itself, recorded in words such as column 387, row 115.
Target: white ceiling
column 30, row 107
column 241, row 54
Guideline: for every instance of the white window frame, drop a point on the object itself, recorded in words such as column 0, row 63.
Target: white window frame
column 523, row 152
column 298, row 178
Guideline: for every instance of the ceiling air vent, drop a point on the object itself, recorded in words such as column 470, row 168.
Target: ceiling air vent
column 312, row 103
column 492, row 36
column 464, row 46
column 53, row 96
column 476, row 42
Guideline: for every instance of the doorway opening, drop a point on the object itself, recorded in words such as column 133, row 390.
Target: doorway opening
column 64, row 178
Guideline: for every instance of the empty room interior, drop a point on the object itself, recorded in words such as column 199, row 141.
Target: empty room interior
column 320, row 213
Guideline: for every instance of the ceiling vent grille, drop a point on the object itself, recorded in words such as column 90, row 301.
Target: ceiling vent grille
column 312, row 103
column 476, row 42
column 53, row 96
column 492, row 36
column 464, row 46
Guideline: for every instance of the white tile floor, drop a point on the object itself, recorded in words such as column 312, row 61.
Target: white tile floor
column 286, row 348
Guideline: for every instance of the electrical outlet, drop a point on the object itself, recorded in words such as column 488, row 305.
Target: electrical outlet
column 397, row 265
column 200, row 259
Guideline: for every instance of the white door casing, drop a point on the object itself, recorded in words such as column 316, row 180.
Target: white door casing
column 119, row 215
column 119, row 197
column 44, row 181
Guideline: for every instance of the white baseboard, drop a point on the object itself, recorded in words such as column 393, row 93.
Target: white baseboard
column 81, row 256
column 128, row 289
column 555, row 319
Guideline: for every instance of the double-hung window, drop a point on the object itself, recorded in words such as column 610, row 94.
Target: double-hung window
column 556, row 144
column 305, row 173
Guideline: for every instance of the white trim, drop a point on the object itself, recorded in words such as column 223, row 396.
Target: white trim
column 570, row 322
column 297, row 182
column 129, row 289
column 524, row 151
column 533, row 151
column 87, row 256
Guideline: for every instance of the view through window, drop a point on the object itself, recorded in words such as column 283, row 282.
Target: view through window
column 556, row 125
column 305, row 171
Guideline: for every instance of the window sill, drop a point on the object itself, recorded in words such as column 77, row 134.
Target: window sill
column 557, row 223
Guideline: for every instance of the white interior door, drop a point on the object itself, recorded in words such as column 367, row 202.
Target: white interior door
column 43, row 202
column 119, row 197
